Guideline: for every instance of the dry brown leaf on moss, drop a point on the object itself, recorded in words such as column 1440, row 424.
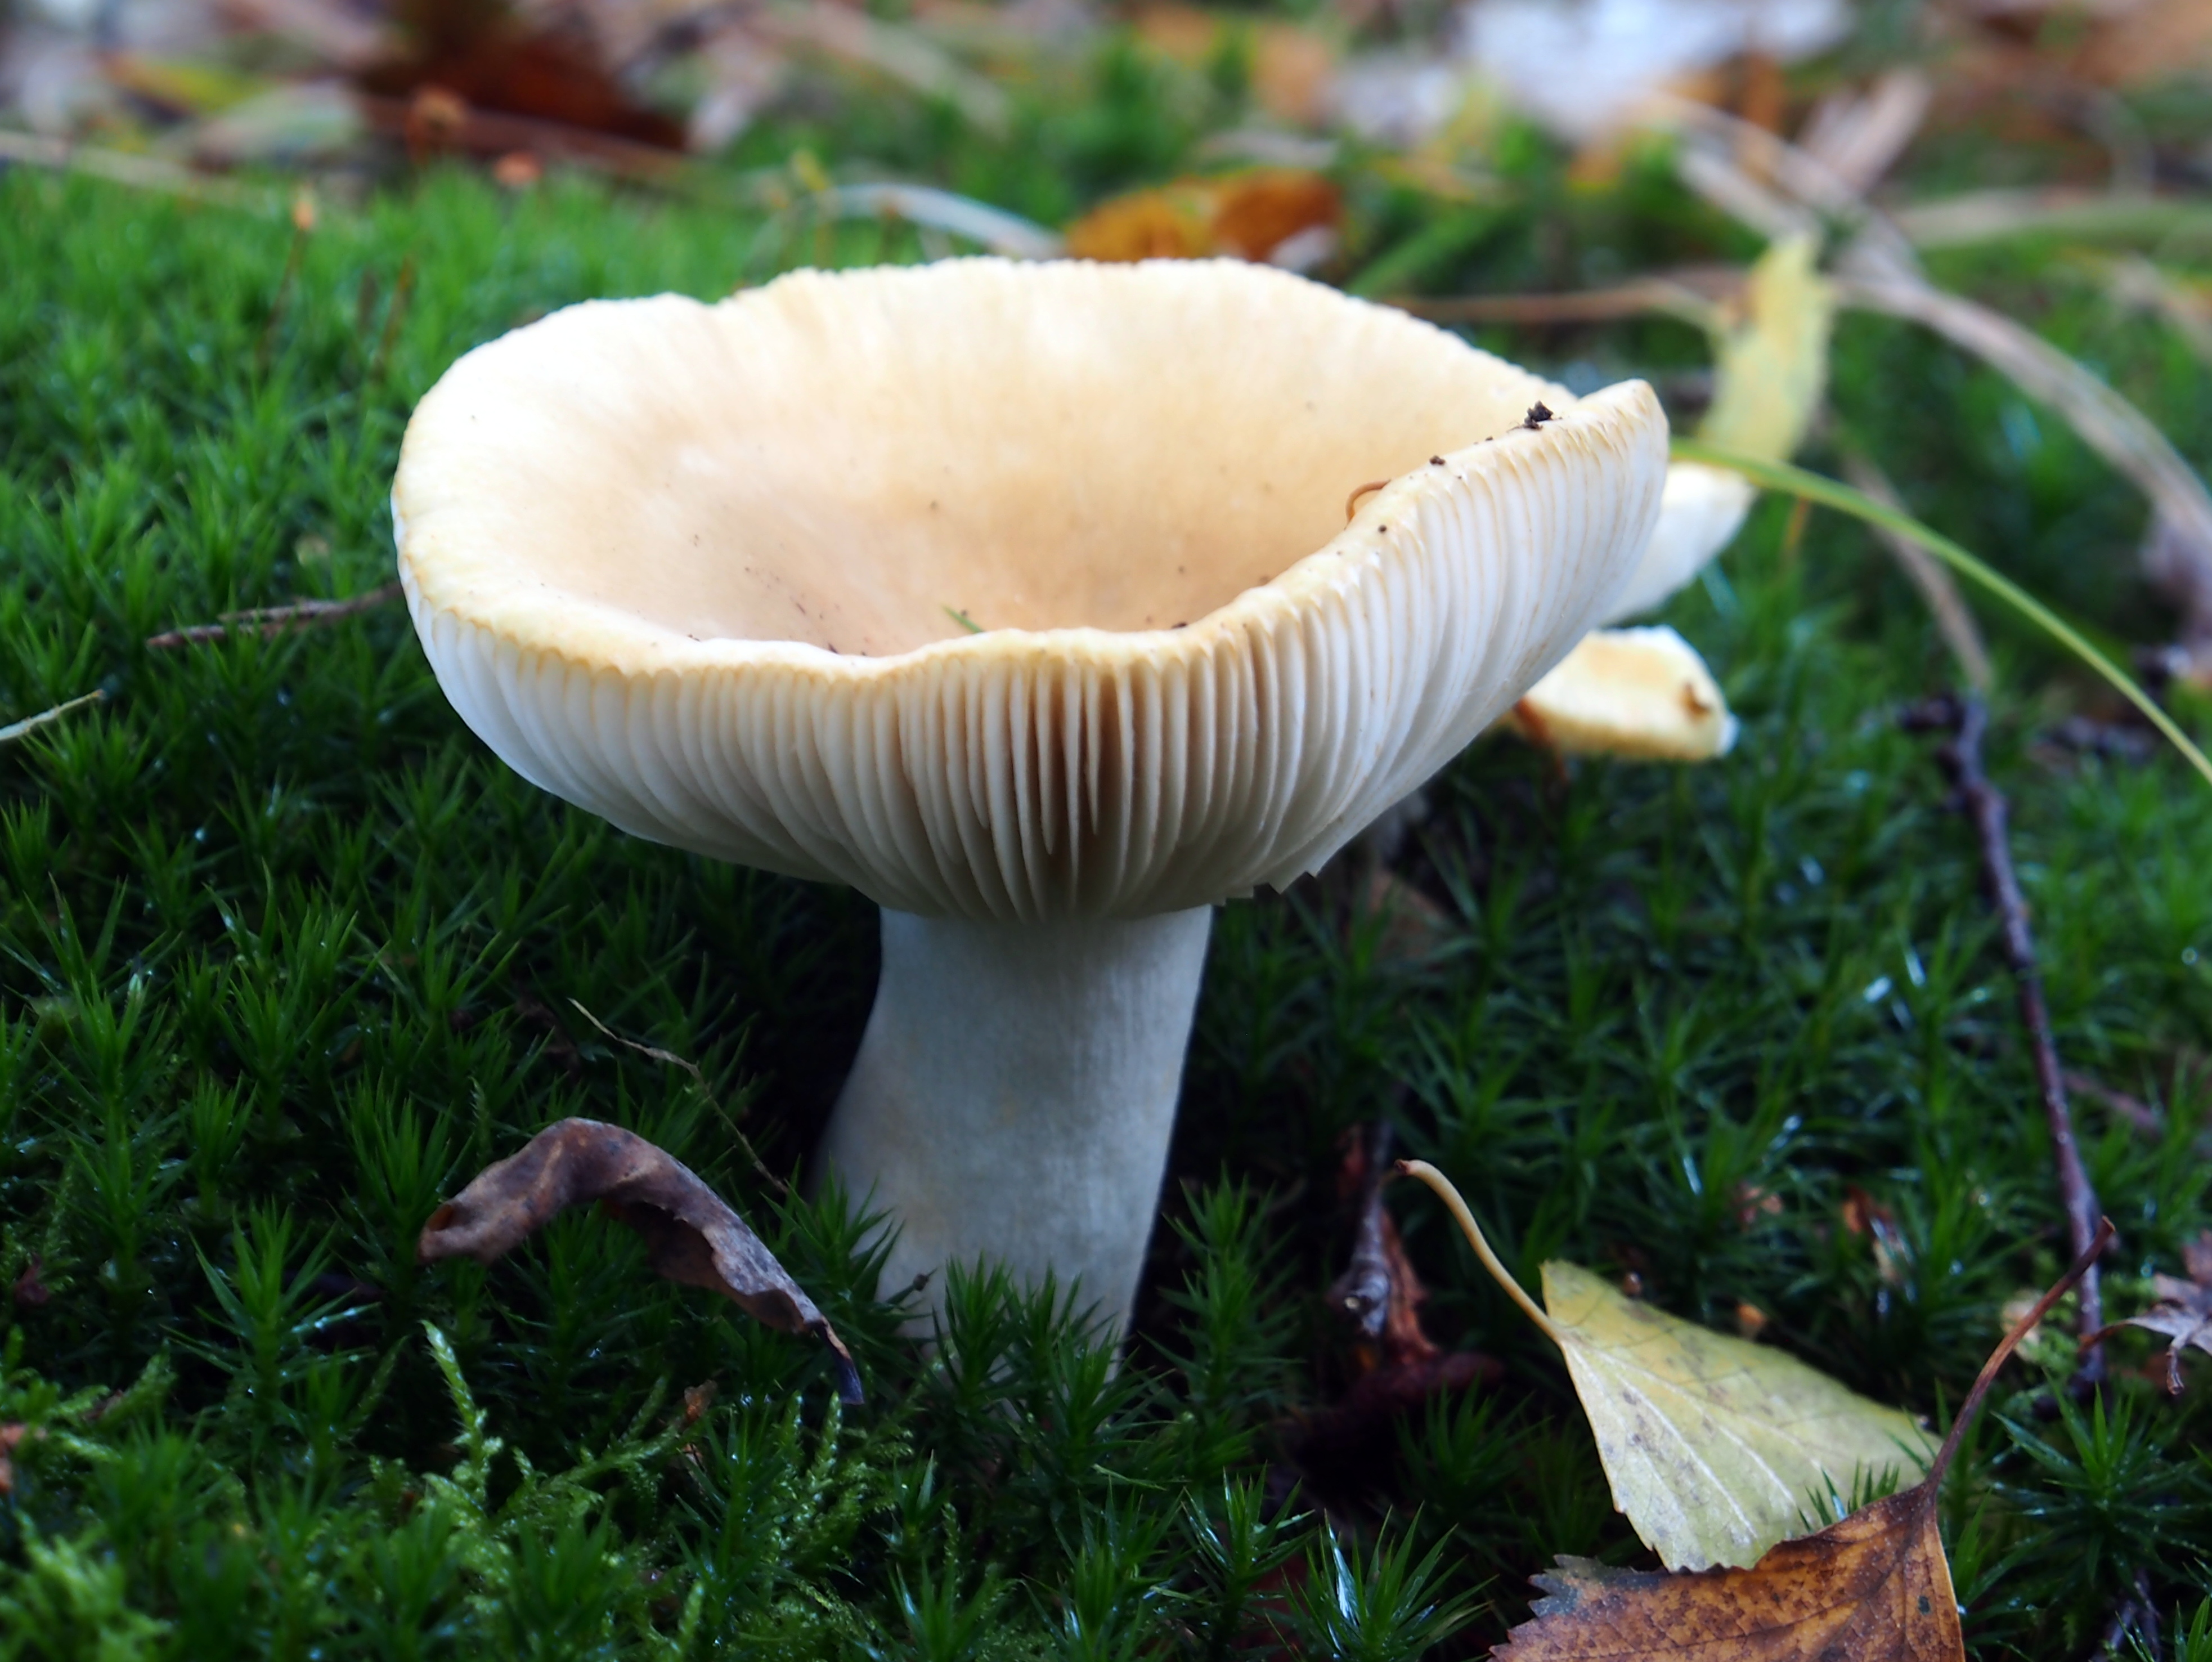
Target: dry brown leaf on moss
column 1874, row 1587
column 691, row 1233
column 1281, row 214
column 2183, row 1313
column 1716, row 1448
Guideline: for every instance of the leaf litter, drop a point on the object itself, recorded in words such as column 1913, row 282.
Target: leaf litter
column 2183, row 1313
column 1716, row 1448
column 1874, row 1587
column 691, row 1234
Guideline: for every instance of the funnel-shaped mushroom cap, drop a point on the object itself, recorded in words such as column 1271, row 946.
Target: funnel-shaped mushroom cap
column 695, row 569
column 1700, row 511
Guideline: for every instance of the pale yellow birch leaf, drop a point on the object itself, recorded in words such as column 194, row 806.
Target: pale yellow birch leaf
column 1717, row 1448
column 1770, row 368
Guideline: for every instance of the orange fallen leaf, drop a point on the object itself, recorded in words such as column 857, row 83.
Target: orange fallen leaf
column 1873, row 1588
column 1255, row 216
column 691, row 1233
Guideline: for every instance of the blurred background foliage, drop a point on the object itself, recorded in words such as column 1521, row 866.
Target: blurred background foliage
column 285, row 955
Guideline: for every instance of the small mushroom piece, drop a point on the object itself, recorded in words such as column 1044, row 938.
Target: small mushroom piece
column 1646, row 693
column 1020, row 597
column 1643, row 694
column 1700, row 511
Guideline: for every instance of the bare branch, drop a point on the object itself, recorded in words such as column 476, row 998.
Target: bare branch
column 30, row 724
column 273, row 620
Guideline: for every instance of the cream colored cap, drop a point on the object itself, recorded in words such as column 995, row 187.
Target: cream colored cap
column 694, row 568
column 1640, row 693
column 1700, row 511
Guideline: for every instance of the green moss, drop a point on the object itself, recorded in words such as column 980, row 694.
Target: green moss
column 285, row 955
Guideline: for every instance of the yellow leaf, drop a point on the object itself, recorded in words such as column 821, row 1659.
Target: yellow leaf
column 1716, row 1448
column 1770, row 368
column 1873, row 1587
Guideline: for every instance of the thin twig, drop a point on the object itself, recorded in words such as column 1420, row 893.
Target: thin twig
column 2083, row 1272
column 403, row 291
column 30, row 724
column 273, row 620
column 303, row 224
column 653, row 1051
column 699, row 1079
column 1960, row 758
column 1626, row 300
column 143, row 172
column 2074, row 215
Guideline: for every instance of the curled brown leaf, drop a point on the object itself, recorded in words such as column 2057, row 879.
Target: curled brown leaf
column 691, row 1235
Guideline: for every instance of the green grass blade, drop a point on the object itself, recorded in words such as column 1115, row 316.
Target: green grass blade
column 1832, row 493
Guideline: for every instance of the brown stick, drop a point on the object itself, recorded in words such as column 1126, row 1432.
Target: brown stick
column 272, row 620
column 1960, row 758
column 402, row 292
column 1627, row 300
column 30, row 724
column 2079, row 1272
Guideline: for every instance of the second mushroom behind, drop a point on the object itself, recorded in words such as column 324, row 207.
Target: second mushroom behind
column 1020, row 598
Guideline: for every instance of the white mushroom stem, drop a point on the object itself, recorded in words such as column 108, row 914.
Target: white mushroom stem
column 1015, row 1092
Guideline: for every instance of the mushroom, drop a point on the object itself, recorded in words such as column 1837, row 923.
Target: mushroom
column 1020, row 598
column 1700, row 511
column 1644, row 694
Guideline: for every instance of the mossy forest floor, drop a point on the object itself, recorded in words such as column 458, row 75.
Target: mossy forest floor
column 285, row 956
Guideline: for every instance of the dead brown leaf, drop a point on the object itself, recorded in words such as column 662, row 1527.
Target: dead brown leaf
column 1379, row 1293
column 482, row 58
column 1264, row 213
column 1874, row 1587
column 2183, row 1313
column 691, row 1233
column 1395, row 1367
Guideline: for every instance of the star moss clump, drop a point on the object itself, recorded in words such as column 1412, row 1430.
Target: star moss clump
column 286, row 956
